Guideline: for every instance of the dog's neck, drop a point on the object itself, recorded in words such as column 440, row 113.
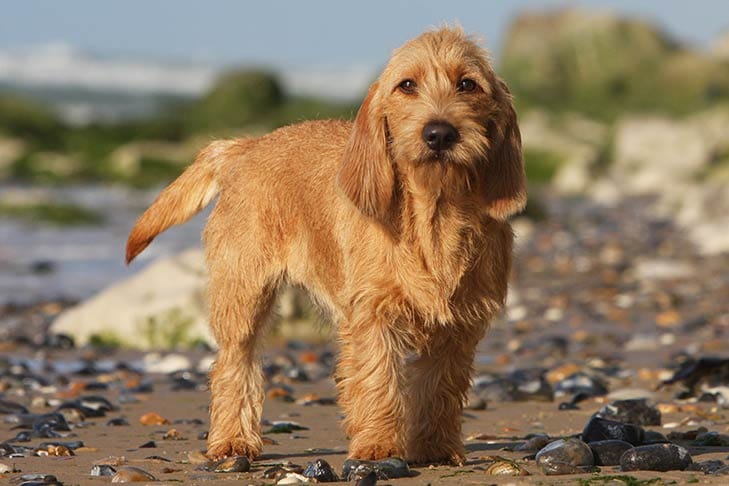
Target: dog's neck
column 439, row 227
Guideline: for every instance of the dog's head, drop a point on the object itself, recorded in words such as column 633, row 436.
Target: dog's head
column 438, row 101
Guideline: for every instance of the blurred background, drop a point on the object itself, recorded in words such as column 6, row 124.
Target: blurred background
column 624, row 109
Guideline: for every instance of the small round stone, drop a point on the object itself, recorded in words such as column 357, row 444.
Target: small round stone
column 566, row 456
column 131, row 474
column 321, row 471
column 602, row 429
column 656, row 457
column 609, row 452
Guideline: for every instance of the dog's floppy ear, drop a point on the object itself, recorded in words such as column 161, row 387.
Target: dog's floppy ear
column 504, row 181
column 366, row 174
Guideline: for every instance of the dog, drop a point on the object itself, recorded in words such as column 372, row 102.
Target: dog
column 396, row 223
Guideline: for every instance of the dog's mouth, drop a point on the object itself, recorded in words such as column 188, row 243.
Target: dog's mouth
column 429, row 156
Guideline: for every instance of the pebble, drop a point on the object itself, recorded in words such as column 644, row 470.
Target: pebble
column 608, row 452
column 293, row 478
column 713, row 466
column 634, row 411
column 102, row 470
column 474, row 402
column 281, row 427
column 153, row 418
column 656, row 457
column 118, row 422
column 598, row 429
column 131, row 474
column 156, row 363
column 566, row 456
column 363, row 475
column 711, row 439
column 390, row 468
column 321, row 471
column 280, row 470
column 228, row 465
column 581, row 382
column 4, row 468
column 534, row 444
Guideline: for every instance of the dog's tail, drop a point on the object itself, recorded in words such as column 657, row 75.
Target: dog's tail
column 186, row 196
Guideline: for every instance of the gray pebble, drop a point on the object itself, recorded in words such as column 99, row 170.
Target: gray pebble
column 566, row 456
column 609, row 452
column 656, row 457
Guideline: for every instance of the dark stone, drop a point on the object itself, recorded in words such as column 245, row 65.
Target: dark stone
column 602, row 429
column 321, row 471
column 8, row 407
column 585, row 385
column 228, row 465
column 117, row 422
column 535, row 443
column 148, row 445
column 711, row 439
column 635, row 411
column 654, row 437
column 566, row 456
column 712, row 466
column 102, row 470
column 656, row 457
column 390, row 468
column 609, row 452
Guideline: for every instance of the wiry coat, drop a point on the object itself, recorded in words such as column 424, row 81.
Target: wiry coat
column 407, row 248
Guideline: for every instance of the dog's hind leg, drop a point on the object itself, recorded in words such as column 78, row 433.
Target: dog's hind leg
column 242, row 291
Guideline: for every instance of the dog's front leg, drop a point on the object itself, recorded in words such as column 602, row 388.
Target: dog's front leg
column 438, row 381
column 371, row 386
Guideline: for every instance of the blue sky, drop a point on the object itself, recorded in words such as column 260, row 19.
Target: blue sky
column 298, row 33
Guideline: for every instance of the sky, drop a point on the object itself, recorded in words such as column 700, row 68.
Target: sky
column 303, row 33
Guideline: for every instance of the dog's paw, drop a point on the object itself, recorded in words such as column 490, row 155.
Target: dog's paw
column 454, row 455
column 373, row 452
column 232, row 447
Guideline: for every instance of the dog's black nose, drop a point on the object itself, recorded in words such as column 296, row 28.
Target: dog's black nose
column 439, row 135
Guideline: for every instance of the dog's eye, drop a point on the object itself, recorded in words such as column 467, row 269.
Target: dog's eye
column 408, row 86
column 467, row 85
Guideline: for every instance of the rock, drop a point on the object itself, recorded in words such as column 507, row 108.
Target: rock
column 608, row 452
column 662, row 269
column 598, row 429
column 656, row 457
column 711, row 439
column 321, row 471
column 390, row 468
column 653, row 153
column 712, row 466
column 228, row 465
column 533, row 444
column 474, row 402
column 633, row 411
column 566, row 456
column 170, row 363
column 102, row 470
column 581, row 382
column 153, row 418
column 131, row 474
column 160, row 306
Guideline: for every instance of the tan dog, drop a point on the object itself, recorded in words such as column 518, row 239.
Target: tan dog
column 395, row 224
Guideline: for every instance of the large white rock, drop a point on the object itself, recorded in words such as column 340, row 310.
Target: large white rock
column 161, row 306
column 658, row 154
